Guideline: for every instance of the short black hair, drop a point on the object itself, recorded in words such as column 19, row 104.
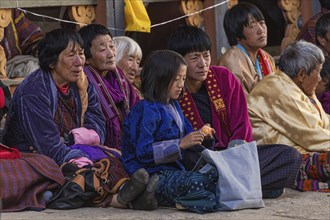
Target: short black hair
column 325, row 4
column 237, row 17
column 159, row 71
column 322, row 26
column 89, row 33
column 53, row 43
column 187, row 39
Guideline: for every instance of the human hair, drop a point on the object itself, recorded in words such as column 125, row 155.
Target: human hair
column 325, row 4
column 237, row 17
column 53, row 43
column 187, row 39
column 159, row 71
column 89, row 33
column 126, row 46
column 325, row 71
column 322, row 26
column 300, row 55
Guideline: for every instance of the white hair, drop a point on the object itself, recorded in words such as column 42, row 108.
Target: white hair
column 126, row 46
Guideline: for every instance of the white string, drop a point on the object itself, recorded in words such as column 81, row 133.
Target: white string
column 152, row 26
column 58, row 19
column 46, row 16
column 187, row 15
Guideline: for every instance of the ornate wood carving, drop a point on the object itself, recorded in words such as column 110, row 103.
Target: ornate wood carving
column 82, row 14
column 231, row 3
column 191, row 6
column 5, row 15
column 291, row 9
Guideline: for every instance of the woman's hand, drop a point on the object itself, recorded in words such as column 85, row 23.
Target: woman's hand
column 191, row 139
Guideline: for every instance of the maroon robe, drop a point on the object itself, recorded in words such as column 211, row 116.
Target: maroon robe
column 229, row 108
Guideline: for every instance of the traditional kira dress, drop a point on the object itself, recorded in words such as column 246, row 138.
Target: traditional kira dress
column 152, row 132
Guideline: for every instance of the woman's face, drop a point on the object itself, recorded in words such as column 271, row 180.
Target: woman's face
column 130, row 65
column 322, row 86
column 103, row 54
column 255, row 34
column 177, row 85
column 309, row 82
column 69, row 65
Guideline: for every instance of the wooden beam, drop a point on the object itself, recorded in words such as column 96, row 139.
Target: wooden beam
column 153, row 1
column 43, row 3
column 209, row 22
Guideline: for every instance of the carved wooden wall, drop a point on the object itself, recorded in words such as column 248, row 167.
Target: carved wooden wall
column 191, row 6
column 231, row 3
column 291, row 10
column 82, row 14
column 5, row 15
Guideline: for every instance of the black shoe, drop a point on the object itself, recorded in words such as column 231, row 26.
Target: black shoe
column 272, row 194
column 133, row 187
column 147, row 200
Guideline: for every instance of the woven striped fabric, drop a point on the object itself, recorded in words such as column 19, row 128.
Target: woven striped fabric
column 20, row 36
column 24, row 180
column 314, row 173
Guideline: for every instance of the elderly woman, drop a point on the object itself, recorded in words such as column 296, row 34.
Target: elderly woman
column 129, row 55
column 56, row 112
column 117, row 95
column 291, row 114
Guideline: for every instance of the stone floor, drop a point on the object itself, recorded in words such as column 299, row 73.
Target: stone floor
column 292, row 205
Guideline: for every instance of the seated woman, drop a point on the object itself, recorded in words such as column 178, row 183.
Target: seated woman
column 156, row 135
column 291, row 114
column 323, row 87
column 128, row 58
column 117, row 95
column 56, row 102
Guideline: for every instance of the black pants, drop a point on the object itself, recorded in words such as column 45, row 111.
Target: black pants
column 279, row 165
